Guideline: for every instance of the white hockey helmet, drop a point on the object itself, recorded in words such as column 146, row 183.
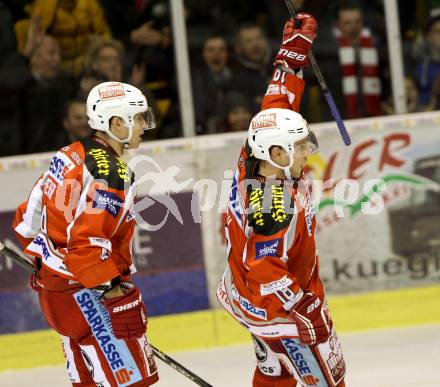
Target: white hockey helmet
column 284, row 128
column 116, row 99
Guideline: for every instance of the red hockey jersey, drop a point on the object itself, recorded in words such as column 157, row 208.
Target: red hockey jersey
column 78, row 219
column 271, row 248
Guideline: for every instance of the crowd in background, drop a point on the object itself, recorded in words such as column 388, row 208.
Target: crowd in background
column 54, row 51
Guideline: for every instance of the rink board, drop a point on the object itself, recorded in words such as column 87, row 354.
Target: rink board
column 397, row 247
column 171, row 272
column 205, row 329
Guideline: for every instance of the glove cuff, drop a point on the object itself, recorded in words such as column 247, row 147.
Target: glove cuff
column 288, row 306
column 307, row 37
column 284, row 66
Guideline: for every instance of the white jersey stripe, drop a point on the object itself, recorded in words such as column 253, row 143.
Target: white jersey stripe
column 31, row 224
column 87, row 182
column 93, row 363
column 70, row 360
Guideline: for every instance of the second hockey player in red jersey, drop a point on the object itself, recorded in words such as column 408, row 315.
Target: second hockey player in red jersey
column 78, row 222
column 271, row 284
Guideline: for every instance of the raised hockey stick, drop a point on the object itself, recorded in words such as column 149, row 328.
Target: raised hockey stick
column 328, row 96
column 27, row 265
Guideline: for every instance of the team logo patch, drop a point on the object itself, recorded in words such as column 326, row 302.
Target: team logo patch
column 260, row 350
column 272, row 287
column 149, row 356
column 267, row 248
column 335, row 359
column 107, row 201
column 59, row 166
column 89, row 364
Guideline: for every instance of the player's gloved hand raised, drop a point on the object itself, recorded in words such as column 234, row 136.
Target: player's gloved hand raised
column 128, row 314
column 298, row 36
column 312, row 320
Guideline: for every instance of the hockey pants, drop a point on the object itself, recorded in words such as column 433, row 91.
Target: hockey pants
column 286, row 363
column 93, row 355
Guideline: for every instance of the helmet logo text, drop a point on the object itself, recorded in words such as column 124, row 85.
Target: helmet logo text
column 264, row 121
column 112, row 91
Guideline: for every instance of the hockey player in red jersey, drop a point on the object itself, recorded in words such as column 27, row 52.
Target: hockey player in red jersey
column 271, row 284
column 78, row 222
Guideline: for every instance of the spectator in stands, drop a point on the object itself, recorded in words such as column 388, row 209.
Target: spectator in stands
column 427, row 56
column 413, row 103
column 434, row 100
column 253, row 63
column 43, row 98
column 16, row 8
column 88, row 81
column 139, row 22
column 75, row 121
column 14, row 73
column 105, row 61
column 211, row 81
column 45, row 60
column 349, row 60
column 144, row 28
column 238, row 113
column 106, row 57
column 71, row 22
column 359, row 61
column 211, row 17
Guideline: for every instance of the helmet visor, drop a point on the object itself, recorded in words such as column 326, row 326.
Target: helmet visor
column 307, row 146
column 149, row 118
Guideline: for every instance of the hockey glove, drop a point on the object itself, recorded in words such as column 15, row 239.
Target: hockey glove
column 298, row 36
column 312, row 320
column 127, row 314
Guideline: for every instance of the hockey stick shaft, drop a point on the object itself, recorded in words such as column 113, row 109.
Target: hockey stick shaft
column 327, row 94
column 29, row 267
column 18, row 259
column 179, row 367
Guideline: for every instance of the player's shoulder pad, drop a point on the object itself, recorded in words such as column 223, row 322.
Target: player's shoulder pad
column 103, row 164
column 267, row 217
